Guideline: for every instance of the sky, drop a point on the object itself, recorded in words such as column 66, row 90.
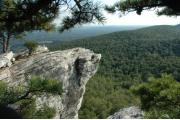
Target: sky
column 146, row 18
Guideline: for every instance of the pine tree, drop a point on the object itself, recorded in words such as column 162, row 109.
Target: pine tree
column 169, row 7
column 160, row 97
column 18, row 16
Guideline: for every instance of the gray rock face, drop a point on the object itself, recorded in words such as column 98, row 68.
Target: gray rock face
column 41, row 49
column 6, row 59
column 128, row 113
column 73, row 67
column 25, row 53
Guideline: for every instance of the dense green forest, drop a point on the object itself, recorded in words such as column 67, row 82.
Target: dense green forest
column 128, row 58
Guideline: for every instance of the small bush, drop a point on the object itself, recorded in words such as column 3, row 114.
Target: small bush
column 45, row 113
column 31, row 45
column 28, row 110
column 39, row 84
column 160, row 97
column 9, row 95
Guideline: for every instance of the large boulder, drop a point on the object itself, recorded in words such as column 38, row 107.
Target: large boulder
column 128, row 113
column 6, row 59
column 73, row 68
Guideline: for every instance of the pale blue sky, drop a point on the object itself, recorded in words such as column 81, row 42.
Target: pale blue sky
column 147, row 18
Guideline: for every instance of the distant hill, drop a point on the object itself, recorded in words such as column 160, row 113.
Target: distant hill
column 73, row 34
column 165, row 32
column 177, row 26
column 77, row 33
column 162, row 31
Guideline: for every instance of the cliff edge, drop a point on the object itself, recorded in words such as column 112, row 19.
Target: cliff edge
column 73, row 67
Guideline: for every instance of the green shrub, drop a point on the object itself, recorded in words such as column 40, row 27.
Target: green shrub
column 28, row 107
column 45, row 113
column 39, row 84
column 31, row 45
column 9, row 94
column 28, row 110
column 5, row 94
column 160, row 97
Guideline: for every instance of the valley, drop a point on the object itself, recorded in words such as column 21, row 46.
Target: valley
column 128, row 58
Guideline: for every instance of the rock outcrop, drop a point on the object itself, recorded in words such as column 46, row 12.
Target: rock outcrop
column 73, row 67
column 128, row 113
column 25, row 53
column 6, row 59
column 41, row 49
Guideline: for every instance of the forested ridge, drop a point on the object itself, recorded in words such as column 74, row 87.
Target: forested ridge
column 128, row 58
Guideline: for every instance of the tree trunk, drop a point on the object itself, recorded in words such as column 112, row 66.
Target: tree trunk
column 4, row 47
column 5, row 43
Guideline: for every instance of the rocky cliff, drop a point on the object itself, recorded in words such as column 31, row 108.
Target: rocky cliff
column 73, row 67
